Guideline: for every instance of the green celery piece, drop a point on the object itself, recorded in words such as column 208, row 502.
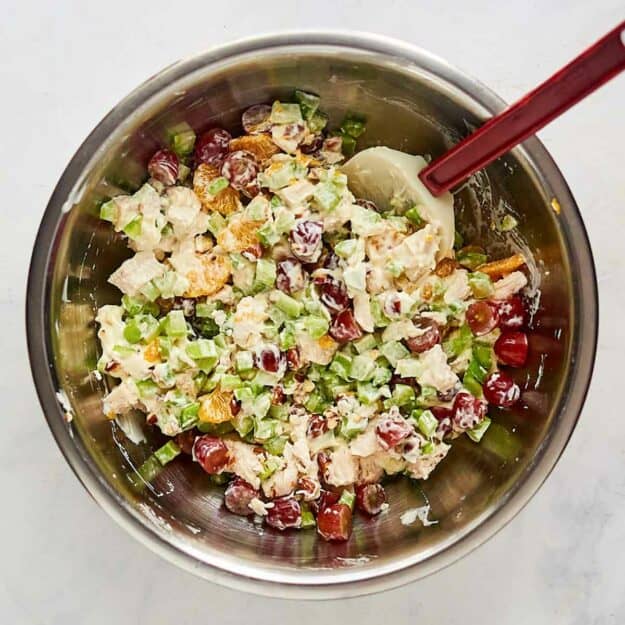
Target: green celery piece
column 508, row 223
column 150, row 291
column 402, row 395
column 477, row 371
column 279, row 412
column 351, row 428
column 265, row 429
column 270, row 466
column 182, row 139
column 428, row 396
column 472, row 385
column 340, row 390
column 124, row 350
column 244, row 393
column 458, row 341
column 244, row 361
column 217, row 185
column 394, row 351
column 381, row 375
column 471, row 259
column 481, row 285
column 286, row 337
column 367, row 342
column 188, row 415
column 326, row 196
column 146, row 388
column 427, row 448
column 362, row 368
column 287, row 304
column 243, row 424
column 132, row 332
column 341, row 365
column 458, row 240
column 149, row 469
column 483, row 353
column 316, row 403
column 133, row 228
column 262, row 403
column 427, row 423
column 315, row 326
column 175, row 324
column 348, row 144
column 132, row 305
column 308, row 103
column 265, row 276
column 368, row 393
column 109, row 211
column 307, row 517
column 268, row 234
column 216, row 223
column 409, row 368
column 379, row 318
column 275, row 445
column 479, row 430
column 353, row 125
column 204, row 309
column 202, row 348
column 317, row 122
column 413, row 215
column 348, row 498
column 285, row 113
column 167, row 452
column 346, row 248
column 229, row 382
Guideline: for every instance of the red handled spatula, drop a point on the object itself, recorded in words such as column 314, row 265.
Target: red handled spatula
column 591, row 69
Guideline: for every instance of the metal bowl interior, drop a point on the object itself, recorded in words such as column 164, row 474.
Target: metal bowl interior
column 413, row 102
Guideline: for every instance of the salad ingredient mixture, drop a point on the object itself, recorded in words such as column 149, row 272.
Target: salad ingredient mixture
column 304, row 328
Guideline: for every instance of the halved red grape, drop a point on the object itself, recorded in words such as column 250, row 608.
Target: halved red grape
column 512, row 313
column 211, row 452
column 317, row 425
column 240, row 168
column 482, row 317
column 312, row 145
column 444, row 416
column 277, row 396
column 238, row 496
column 344, row 327
column 235, row 406
column 334, row 522
column 212, row 146
column 326, row 498
column 431, row 336
column 392, row 430
column 511, row 348
column 332, row 293
column 370, row 498
column 285, row 513
column 305, row 240
column 270, row 359
column 290, row 276
column 163, row 166
column 501, row 390
column 468, row 410
column 255, row 120
column 392, row 305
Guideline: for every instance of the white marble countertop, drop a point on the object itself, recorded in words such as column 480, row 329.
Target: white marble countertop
column 64, row 65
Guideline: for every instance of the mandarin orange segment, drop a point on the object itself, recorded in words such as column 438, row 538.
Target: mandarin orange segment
column 214, row 274
column 215, row 407
column 225, row 201
column 239, row 234
column 261, row 146
column 502, row 267
column 152, row 352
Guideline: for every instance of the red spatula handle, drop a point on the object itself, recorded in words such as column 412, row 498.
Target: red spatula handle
column 575, row 81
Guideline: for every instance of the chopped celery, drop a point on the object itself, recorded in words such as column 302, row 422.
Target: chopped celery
column 287, row 304
column 427, row 448
column 366, row 343
column 477, row 371
column 317, row 122
column 133, row 228
column 182, row 139
column 307, row 517
column 244, row 393
column 315, row 326
column 427, row 423
column 353, row 125
column 132, row 305
column 175, row 324
column 348, row 498
column 286, row 338
column 188, row 415
column 413, row 215
column 472, row 385
column 150, row 291
column 109, row 211
column 362, row 368
column 132, row 332
column 352, row 426
column 285, row 113
column 244, row 361
column 395, row 268
column 146, row 388
column 275, row 445
column 216, row 223
column 368, row 393
column 148, row 470
column 124, row 350
column 268, row 234
column 479, row 430
column 270, row 466
column 308, row 103
column 471, row 258
column 402, row 395
column 409, row 368
column 458, row 240
column 326, row 196
column 508, row 223
column 341, row 365
column 266, row 429
column 458, row 341
column 261, row 404
column 428, row 396
column 167, row 452
column 316, row 403
column 204, row 309
column 217, row 185
column 381, row 375
column 348, row 144
column 243, row 424
column 346, row 248
column 355, row 277
column 393, row 351
column 379, row 318
column 499, row 441
column 483, row 353
column 202, row 348
column 229, row 382
column 265, row 276
column 481, row 285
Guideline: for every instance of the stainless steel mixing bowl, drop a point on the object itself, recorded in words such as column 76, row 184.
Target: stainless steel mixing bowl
column 413, row 101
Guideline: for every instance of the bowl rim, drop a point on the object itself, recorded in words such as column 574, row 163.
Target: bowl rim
column 230, row 572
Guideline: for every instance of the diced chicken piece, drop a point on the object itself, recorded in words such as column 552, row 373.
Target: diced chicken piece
column 149, row 204
column 136, row 272
column 296, row 194
column 184, row 212
column 417, row 253
column 244, row 461
column 260, row 507
column 240, row 234
column 398, row 330
column 423, row 466
column 320, row 351
column 378, row 279
column 367, row 443
column 380, row 247
column 343, row 468
column 248, row 320
column 456, row 287
column 435, row 371
column 508, row 286
column 369, row 470
column 362, row 312
column 283, row 481
column 121, row 399
column 288, row 136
